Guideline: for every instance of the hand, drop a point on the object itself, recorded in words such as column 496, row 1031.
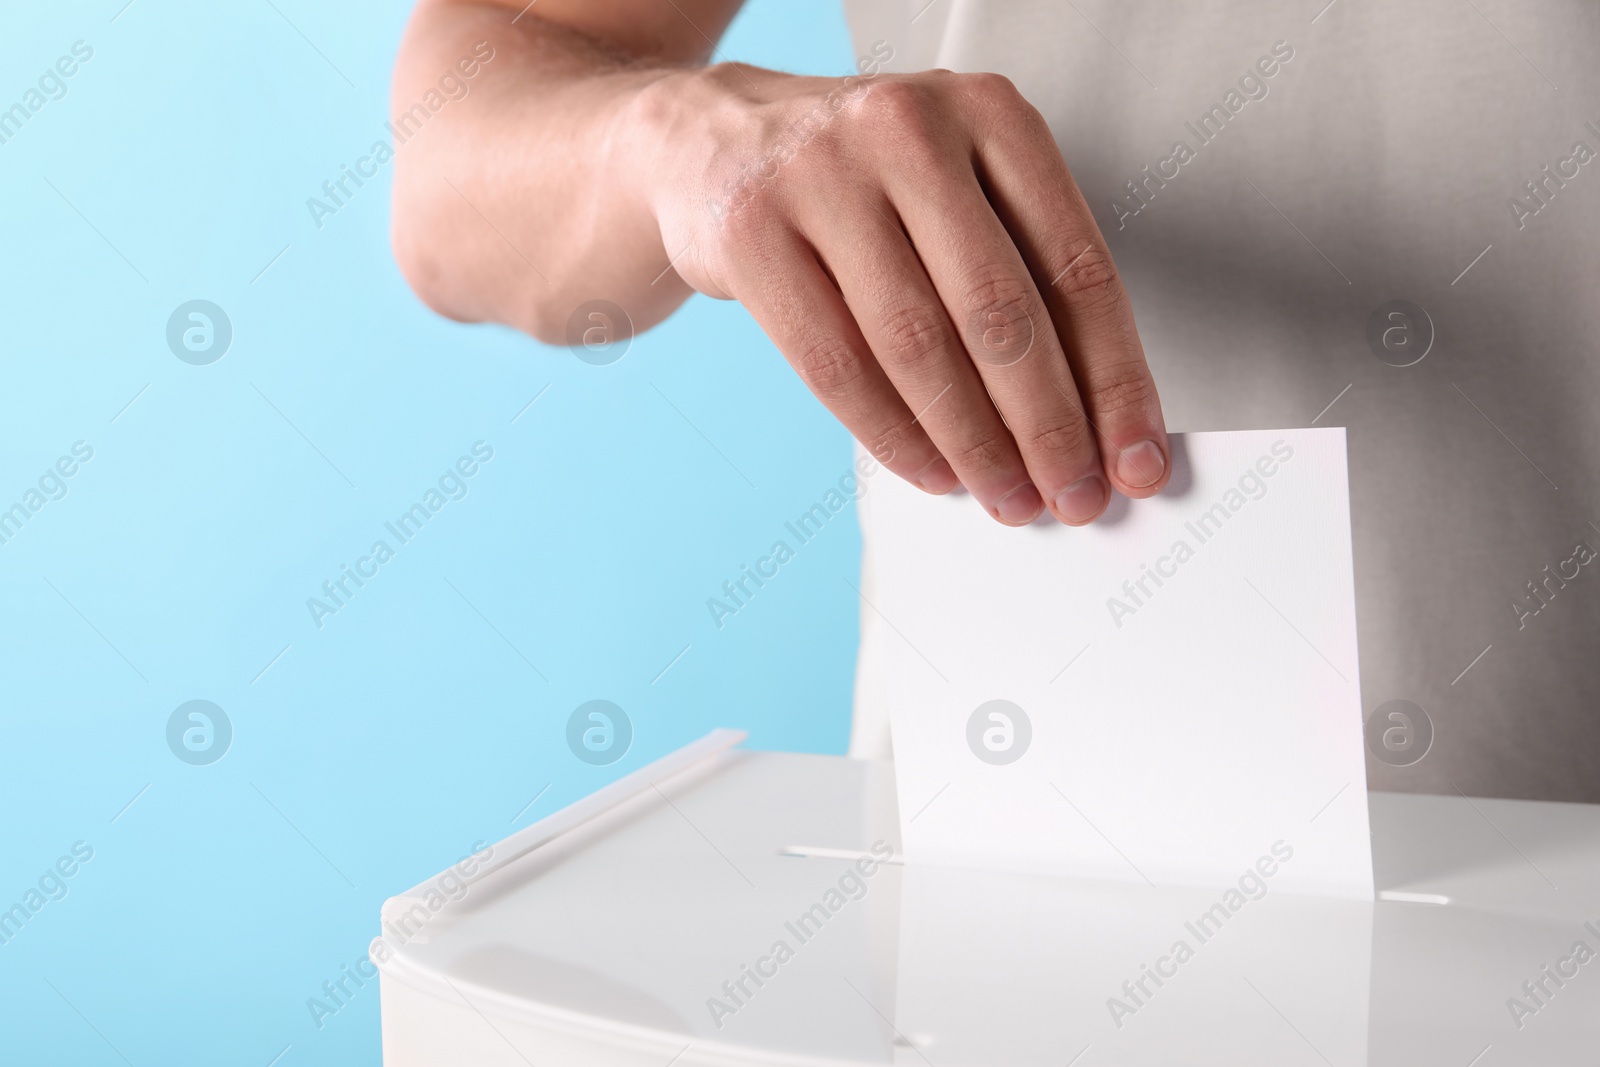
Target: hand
column 918, row 251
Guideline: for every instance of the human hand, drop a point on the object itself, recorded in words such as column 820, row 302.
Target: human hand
column 917, row 249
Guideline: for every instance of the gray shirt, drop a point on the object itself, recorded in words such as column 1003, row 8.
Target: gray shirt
column 1385, row 216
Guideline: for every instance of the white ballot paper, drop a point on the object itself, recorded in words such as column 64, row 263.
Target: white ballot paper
column 1168, row 696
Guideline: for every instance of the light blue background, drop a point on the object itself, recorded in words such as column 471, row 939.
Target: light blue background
column 179, row 564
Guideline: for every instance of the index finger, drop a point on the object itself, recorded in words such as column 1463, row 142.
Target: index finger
column 1042, row 208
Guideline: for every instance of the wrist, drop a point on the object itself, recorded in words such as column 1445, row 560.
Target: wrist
column 686, row 127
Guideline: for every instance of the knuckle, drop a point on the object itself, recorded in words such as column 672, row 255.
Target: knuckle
column 999, row 291
column 907, row 122
column 1090, row 279
column 914, row 336
column 997, row 106
column 900, row 100
column 747, row 231
column 989, row 87
column 1061, row 441
column 1125, row 387
column 902, row 114
column 982, row 451
column 829, row 366
column 1001, row 315
column 897, row 443
column 729, row 74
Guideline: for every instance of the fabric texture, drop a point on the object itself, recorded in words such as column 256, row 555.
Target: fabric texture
column 1276, row 187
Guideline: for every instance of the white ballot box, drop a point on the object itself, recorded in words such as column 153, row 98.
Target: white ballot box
column 724, row 907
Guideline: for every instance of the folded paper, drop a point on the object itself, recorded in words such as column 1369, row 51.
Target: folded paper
column 1164, row 697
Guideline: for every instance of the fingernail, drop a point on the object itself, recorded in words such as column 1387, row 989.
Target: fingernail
column 937, row 477
column 1020, row 506
column 1141, row 465
column 1082, row 500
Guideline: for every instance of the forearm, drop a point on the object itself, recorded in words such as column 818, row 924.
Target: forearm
column 913, row 244
column 528, row 196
